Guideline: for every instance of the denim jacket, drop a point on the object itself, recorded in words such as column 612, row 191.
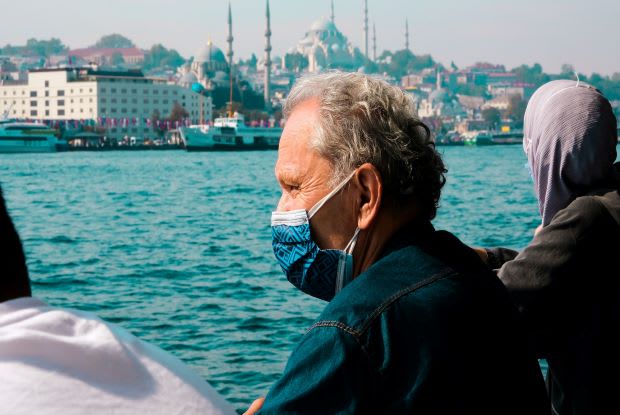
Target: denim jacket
column 425, row 330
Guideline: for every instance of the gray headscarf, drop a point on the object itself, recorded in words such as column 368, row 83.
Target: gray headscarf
column 570, row 140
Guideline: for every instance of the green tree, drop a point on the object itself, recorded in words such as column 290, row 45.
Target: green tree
column 114, row 41
column 117, row 59
column 178, row 113
column 491, row 116
column 158, row 56
column 295, row 62
column 532, row 75
column 516, row 110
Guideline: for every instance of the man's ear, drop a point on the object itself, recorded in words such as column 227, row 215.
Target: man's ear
column 368, row 180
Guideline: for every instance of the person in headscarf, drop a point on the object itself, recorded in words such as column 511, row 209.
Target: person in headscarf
column 566, row 281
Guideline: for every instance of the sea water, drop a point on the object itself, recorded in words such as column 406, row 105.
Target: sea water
column 176, row 246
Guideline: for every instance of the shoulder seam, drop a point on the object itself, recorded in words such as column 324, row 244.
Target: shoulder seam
column 407, row 290
column 347, row 329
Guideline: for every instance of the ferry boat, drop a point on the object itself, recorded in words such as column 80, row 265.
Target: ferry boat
column 230, row 133
column 486, row 138
column 26, row 137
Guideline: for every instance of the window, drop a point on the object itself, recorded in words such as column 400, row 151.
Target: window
column 134, row 110
column 113, row 100
column 80, row 90
column 90, row 100
column 47, row 103
column 103, row 111
column 33, row 113
column 103, row 90
column 61, row 112
column 81, row 109
column 113, row 90
column 102, row 100
column 146, row 91
column 90, row 90
column 146, row 101
column 33, row 103
column 61, row 102
column 47, row 93
column 124, row 110
column 165, row 92
column 61, row 92
column 81, row 100
column 124, row 100
column 47, row 84
column 113, row 111
column 134, row 91
column 32, row 93
column 123, row 91
column 47, row 113
column 155, row 91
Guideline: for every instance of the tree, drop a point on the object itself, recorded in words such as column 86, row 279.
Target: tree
column 158, row 56
column 295, row 62
column 531, row 75
column 114, row 41
column 567, row 70
column 117, row 59
column 252, row 61
column 491, row 116
column 178, row 113
column 516, row 110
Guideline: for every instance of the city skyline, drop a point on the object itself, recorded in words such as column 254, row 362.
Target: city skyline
column 509, row 33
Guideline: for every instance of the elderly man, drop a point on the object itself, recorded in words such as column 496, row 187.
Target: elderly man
column 62, row 361
column 415, row 323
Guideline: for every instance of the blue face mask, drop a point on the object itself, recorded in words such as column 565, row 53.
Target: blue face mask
column 321, row 273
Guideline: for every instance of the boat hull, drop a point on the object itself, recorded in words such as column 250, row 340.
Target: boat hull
column 196, row 140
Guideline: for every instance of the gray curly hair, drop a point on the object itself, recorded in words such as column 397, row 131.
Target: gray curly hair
column 366, row 120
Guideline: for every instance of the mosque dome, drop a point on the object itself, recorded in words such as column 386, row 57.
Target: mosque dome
column 210, row 53
column 323, row 25
column 187, row 79
column 220, row 76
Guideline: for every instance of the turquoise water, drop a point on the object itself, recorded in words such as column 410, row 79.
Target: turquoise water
column 176, row 246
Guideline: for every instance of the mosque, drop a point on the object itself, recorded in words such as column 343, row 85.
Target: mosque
column 323, row 45
column 326, row 47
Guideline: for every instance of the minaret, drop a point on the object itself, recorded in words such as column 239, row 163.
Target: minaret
column 230, row 54
column 374, row 42
column 407, row 34
column 268, row 61
column 333, row 16
column 438, row 79
column 366, row 27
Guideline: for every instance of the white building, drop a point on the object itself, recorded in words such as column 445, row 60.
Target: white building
column 121, row 102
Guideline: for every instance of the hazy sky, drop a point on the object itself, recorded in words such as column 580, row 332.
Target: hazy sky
column 551, row 32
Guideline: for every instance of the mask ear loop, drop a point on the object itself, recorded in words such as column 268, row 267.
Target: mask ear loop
column 577, row 75
column 331, row 194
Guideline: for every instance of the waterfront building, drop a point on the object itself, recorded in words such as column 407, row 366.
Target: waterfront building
column 122, row 103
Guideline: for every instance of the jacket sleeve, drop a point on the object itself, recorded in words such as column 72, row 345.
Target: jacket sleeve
column 327, row 373
column 541, row 279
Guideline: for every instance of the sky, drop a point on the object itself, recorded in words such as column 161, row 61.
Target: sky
column 583, row 33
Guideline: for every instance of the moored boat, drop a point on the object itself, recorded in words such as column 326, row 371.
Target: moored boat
column 230, row 133
column 26, row 137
